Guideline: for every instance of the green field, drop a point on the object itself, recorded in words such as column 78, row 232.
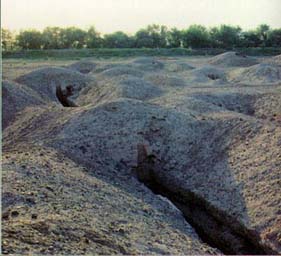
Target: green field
column 109, row 53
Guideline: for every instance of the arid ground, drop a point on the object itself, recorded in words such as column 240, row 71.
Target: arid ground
column 147, row 155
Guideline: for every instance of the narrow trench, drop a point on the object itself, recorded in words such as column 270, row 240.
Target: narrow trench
column 62, row 96
column 210, row 230
column 213, row 229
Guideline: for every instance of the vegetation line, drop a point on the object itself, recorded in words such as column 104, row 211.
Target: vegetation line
column 153, row 36
column 76, row 54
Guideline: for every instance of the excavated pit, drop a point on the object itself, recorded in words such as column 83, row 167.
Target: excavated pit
column 213, row 226
column 62, row 96
column 213, row 76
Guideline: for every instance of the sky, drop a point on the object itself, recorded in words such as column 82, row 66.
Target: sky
column 130, row 15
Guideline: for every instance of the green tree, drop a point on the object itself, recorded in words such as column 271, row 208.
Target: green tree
column 30, row 39
column 93, row 38
column 52, row 38
column 143, row 39
column 73, row 37
column 263, row 31
column 274, row 38
column 163, row 36
column 117, row 40
column 214, row 38
column 153, row 36
column 250, row 39
column 158, row 35
column 196, row 36
column 7, row 40
column 225, row 36
column 174, row 38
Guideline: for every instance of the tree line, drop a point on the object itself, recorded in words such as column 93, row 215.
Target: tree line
column 153, row 36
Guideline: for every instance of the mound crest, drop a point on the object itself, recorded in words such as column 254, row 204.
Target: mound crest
column 207, row 73
column 164, row 80
column 102, row 67
column 119, row 71
column 15, row 98
column 179, row 67
column 148, row 64
column 83, row 67
column 45, row 81
column 233, row 59
column 276, row 60
column 122, row 87
column 137, row 88
column 260, row 74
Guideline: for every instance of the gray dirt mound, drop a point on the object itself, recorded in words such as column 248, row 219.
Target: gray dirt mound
column 16, row 97
column 268, row 106
column 120, row 121
column 186, row 104
column 179, row 66
column 208, row 149
column 83, row 67
column 137, row 88
column 217, row 161
column 276, row 60
column 46, row 80
column 237, row 102
column 148, row 64
column 164, row 80
column 233, row 59
column 259, row 74
column 119, row 71
column 122, row 87
column 208, row 73
column 95, row 214
column 102, row 67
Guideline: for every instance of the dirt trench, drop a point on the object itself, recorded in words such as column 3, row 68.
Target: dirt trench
column 63, row 96
column 213, row 226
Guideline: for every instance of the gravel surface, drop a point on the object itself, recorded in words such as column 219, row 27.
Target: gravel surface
column 211, row 144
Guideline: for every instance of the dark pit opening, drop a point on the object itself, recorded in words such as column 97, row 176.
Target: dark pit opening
column 62, row 96
column 213, row 76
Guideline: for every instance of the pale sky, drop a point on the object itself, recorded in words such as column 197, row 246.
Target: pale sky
column 130, row 15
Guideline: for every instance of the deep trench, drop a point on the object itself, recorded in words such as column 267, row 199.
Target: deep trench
column 62, row 96
column 213, row 228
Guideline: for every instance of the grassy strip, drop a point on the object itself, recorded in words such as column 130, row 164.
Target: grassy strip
column 131, row 52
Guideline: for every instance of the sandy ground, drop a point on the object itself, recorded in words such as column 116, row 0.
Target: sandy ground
column 204, row 132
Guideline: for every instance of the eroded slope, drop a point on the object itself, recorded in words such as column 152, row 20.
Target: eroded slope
column 213, row 148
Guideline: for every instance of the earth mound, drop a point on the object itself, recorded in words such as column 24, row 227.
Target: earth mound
column 16, row 97
column 119, row 71
column 164, row 80
column 208, row 73
column 83, row 67
column 46, row 81
column 276, row 60
column 260, row 74
column 104, row 66
column 148, row 64
column 70, row 211
column 122, row 87
column 268, row 107
column 233, row 59
column 88, row 179
column 179, row 66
